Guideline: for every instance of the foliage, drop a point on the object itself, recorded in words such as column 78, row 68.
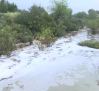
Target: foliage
column 22, row 17
column 46, row 33
column 36, row 19
column 12, row 7
column 97, row 11
column 31, row 18
column 7, row 40
column 81, row 15
column 9, row 19
column 24, row 34
column 60, row 10
column 92, row 14
column 71, row 24
column 48, row 21
column 93, row 25
column 60, row 29
column 3, row 20
column 90, row 43
column 46, row 36
column 3, row 6
column 6, row 6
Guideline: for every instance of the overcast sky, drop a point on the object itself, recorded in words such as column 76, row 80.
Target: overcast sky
column 76, row 5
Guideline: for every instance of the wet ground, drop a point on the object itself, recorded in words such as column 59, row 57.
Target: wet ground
column 65, row 66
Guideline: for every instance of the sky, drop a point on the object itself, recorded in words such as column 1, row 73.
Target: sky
column 75, row 5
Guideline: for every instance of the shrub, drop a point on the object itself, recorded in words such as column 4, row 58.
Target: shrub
column 60, row 29
column 9, row 20
column 46, row 36
column 71, row 25
column 24, row 34
column 31, row 18
column 22, row 38
column 3, row 20
column 48, row 21
column 6, row 6
column 10, row 17
column 93, row 25
column 22, row 18
column 36, row 19
column 7, row 40
column 1, row 25
column 90, row 43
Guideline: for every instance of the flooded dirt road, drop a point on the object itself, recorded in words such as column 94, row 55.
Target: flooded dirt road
column 65, row 66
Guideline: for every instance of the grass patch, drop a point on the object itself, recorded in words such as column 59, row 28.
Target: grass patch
column 90, row 43
column 15, row 14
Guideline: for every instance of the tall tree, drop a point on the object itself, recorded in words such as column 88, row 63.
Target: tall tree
column 60, row 10
column 12, row 7
column 3, row 6
column 92, row 14
column 80, row 15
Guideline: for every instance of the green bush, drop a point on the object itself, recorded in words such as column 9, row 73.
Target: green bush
column 36, row 19
column 90, row 43
column 46, row 36
column 12, row 7
column 6, row 6
column 71, row 25
column 48, row 21
column 24, row 34
column 60, row 29
column 32, row 18
column 22, row 18
column 1, row 26
column 3, row 20
column 9, row 20
column 7, row 40
column 93, row 25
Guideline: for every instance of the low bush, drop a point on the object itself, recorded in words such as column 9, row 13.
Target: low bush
column 72, row 25
column 93, row 25
column 90, row 43
column 7, row 40
column 46, row 36
column 60, row 29
column 24, row 34
column 36, row 19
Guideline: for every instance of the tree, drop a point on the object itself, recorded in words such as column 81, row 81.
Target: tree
column 63, row 17
column 92, row 14
column 60, row 10
column 12, row 7
column 80, row 15
column 6, row 6
column 3, row 6
column 97, row 11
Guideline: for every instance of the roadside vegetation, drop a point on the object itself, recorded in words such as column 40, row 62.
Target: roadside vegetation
column 91, row 21
column 90, row 43
column 23, row 26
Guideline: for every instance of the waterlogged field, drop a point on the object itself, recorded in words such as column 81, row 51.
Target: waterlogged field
column 65, row 66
